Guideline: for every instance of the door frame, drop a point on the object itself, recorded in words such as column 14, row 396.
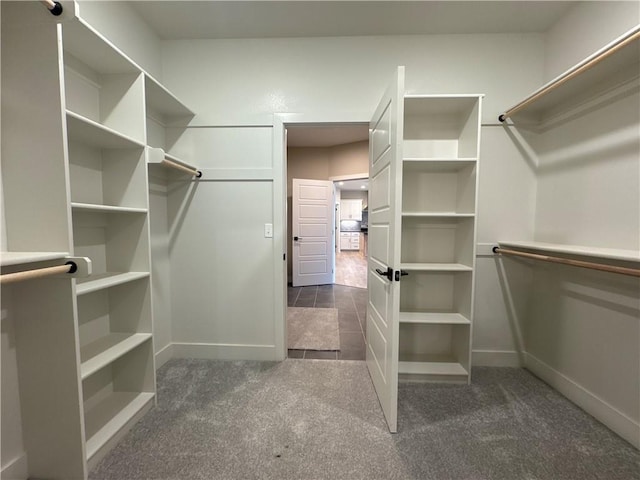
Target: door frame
column 280, row 123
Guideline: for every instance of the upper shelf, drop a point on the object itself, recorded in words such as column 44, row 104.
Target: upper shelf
column 162, row 101
column 87, row 45
column 608, row 63
column 86, row 131
column 604, row 253
column 20, row 258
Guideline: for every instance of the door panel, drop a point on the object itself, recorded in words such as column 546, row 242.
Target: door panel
column 385, row 172
column 313, row 228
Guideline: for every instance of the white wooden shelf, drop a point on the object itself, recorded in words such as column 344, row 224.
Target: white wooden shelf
column 84, row 43
column 106, row 280
column 436, row 267
column 432, row 318
column 437, row 105
column 163, row 101
column 102, row 352
column 438, row 163
column 21, row 258
column 86, row 131
column 108, row 417
column 90, row 207
column 436, row 366
column 619, row 57
column 438, row 214
column 579, row 250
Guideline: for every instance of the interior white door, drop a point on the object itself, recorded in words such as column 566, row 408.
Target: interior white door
column 385, row 198
column 312, row 229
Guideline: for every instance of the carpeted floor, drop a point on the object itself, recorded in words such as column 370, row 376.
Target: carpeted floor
column 313, row 419
column 312, row 328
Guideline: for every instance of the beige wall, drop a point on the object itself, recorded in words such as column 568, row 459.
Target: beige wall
column 357, row 195
column 322, row 163
column 349, row 159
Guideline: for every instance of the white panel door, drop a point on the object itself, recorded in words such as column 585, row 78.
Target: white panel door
column 312, row 228
column 385, row 196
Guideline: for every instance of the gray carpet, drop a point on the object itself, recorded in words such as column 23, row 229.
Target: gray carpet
column 312, row 328
column 315, row 419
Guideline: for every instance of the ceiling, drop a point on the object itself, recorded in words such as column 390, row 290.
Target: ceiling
column 326, row 135
column 348, row 185
column 269, row 19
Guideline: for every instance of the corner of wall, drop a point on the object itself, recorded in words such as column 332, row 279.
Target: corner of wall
column 585, row 28
column 123, row 26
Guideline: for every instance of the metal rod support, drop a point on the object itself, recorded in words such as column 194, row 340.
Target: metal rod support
column 570, row 74
column 190, row 171
column 566, row 261
column 69, row 267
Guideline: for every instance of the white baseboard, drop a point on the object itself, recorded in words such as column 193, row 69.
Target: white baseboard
column 16, row 469
column 217, row 351
column 495, row 358
column 623, row 425
column 164, row 355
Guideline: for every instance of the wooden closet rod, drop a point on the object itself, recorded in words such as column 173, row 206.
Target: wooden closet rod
column 574, row 263
column 632, row 37
column 69, row 267
column 191, row 171
column 54, row 7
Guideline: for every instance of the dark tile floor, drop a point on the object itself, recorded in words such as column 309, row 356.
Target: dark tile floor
column 351, row 303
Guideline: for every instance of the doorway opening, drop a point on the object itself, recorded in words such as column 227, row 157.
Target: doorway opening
column 326, row 244
column 352, row 230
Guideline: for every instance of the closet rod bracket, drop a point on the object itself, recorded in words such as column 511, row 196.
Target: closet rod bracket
column 54, row 7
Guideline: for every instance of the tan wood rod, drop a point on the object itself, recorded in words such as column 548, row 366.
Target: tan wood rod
column 574, row 263
column 586, row 66
column 190, row 171
column 35, row 273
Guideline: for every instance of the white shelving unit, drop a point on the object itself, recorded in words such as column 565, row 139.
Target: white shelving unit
column 439, row 191
column 110, row 205
column 87, row 195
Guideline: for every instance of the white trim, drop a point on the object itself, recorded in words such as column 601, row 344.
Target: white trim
column 280, row 121
column 353, row 176
column 495, row 358
column 620, row 423
column 164, row 355
column 224, row 351
column 279, row 238
column 16, row 469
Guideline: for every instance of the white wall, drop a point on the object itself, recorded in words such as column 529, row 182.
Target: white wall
column 343, row 78
column 347, row 75
column 584, row 29
column 124, row 27
column 589, row 178
column 161, row 272
column 581, row 329
column 224, row 297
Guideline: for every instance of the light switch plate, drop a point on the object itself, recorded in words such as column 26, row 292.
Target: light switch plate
column 268, row 230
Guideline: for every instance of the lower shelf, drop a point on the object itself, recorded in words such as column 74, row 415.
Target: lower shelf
column 105, row 350
column 446, row 318
column 108, row 417
column 425, row 365
column 106, row 280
